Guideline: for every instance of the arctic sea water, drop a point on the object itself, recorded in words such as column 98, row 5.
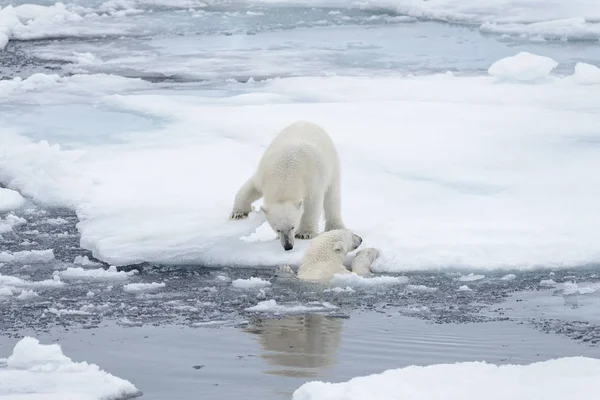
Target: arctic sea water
column 469, row 144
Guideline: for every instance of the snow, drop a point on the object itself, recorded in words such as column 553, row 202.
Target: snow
column 15, row 282
column 576, row 19
column 7, row 223
column 85, row 261
column 27, row 295
column 483, row 174
column 548, row 283
column 38, row 371
column 338, row 289
column 420, row 288
column 10, row 200
column 354, row 280
column 572, row 377
column 271, row 306
column 27, row 256
column 586, row 74
column 30, row 22
column 95, row 274
column 570, row 288
column 523, row 67
column 471, row 278
column 143, row 287
column 251, row 283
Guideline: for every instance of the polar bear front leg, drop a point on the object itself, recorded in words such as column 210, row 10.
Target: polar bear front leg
column 244, row 198
column 309, row 223
column 333, row 207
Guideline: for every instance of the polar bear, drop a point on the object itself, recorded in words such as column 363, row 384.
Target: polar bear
column 298, row 176
column 326, row 253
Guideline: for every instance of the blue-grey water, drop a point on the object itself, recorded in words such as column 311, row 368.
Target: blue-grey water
column 161, row 341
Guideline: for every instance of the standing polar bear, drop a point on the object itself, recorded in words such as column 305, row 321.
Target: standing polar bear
column 298, row 176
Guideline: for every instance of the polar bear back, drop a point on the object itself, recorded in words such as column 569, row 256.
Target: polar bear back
column 300, row 159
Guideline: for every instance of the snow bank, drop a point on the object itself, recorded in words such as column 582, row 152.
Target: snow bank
column 252, row 283
column 37, row 371
column 504, row 176
column 555, row 19
column 143, row 287
column 101, row 274
column 572, row 378
column 10, row 200
column 67, row 87
column 31, row 22
column 523, row 67
column 271, row 306
column 27, row 256
column 586, row 74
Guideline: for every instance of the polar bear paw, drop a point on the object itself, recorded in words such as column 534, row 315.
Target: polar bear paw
column 306, row 235
column 239, row 214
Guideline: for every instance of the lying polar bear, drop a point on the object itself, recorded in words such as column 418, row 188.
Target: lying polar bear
column 325, row 257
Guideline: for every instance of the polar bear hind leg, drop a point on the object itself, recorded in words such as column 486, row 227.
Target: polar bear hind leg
column 244, row 198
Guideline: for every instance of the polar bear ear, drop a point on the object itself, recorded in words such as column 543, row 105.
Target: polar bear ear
column 299, row 203
column 338, row 247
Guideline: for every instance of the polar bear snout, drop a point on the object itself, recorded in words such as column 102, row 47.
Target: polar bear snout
column 287, row 241
column 356, row 241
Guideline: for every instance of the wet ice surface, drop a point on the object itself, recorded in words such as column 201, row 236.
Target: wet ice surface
column 178, row 331
column 92, row 295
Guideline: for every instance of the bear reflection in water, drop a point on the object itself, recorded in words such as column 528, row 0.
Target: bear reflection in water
column 302, row 345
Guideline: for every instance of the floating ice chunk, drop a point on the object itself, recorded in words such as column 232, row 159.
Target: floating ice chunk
column 7, row 223
column 548, row 283
column 508, row 277
column 523, row 67
column 56, row 221
column 37, row 371
column 28, row 295
column 338, row 289
column 251, row 283
column 586, row 74
column 5, row 292
column 13, row 281
column 10, row 200
column 27, row 256
column 271, row 306
column 95, row 274
column 143, row 287
column 355, row 280
column 420, row 288
column 66, row 311
column 562, row 29
column 564, row 378
column 573, row 288
column 471, row 278
column 85, row 261
column 464, row 288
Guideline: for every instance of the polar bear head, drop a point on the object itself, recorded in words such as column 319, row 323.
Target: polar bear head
column 284, row 218
column 334, row 244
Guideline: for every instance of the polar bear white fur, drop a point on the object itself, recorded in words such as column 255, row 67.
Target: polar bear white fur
column 326, row 253
column 298, row 176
